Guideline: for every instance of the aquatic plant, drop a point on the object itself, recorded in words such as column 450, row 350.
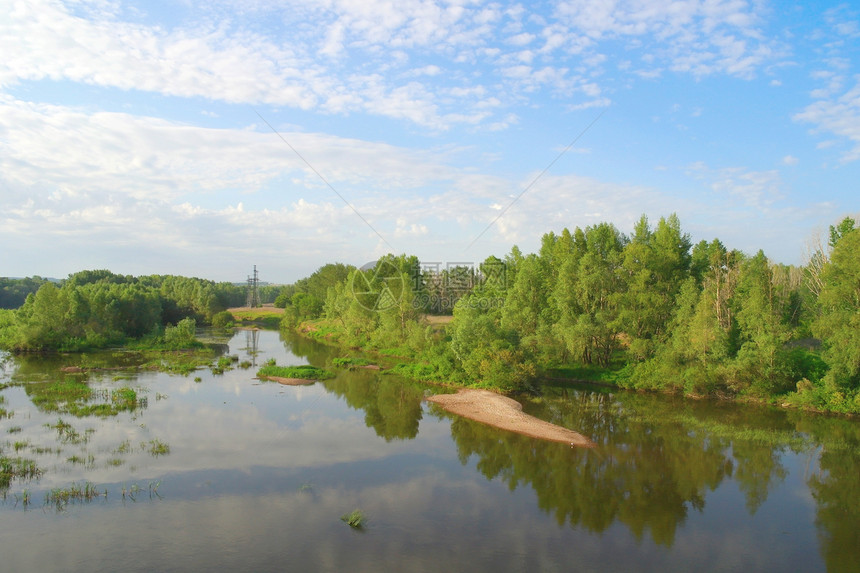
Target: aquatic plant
column 156, row 447
column 60, row 497
column 17, row 468
column 355, row 519
column 77, row 398
column 132, row 491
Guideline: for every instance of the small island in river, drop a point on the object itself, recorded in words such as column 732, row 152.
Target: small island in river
column 506, row 413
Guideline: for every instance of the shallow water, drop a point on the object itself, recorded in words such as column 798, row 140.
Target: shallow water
column 258, row 475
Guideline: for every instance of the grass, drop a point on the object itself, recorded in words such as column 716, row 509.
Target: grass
column 350, row 362
column 269, row 316
column 224, row 363
column 156, row 447
column 61, row 497
column 355, row 519
column 124, row 448
column 182, row 362
column 76, row 459
column 71, row 396
column 17, row 468
column 67, row 433
column 306, row 372
column 131, row 492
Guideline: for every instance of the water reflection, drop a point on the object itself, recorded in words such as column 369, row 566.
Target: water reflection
column 657, row 461
column 257, row 472
column 391, row 405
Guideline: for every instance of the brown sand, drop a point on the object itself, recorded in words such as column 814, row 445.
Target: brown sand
column 505, row 413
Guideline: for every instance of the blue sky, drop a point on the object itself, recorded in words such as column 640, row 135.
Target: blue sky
column 135, row 136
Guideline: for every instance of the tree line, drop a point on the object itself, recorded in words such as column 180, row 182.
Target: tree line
column 649, row 310
column 98, row 308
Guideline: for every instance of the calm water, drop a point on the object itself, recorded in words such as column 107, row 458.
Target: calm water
column 258, row 475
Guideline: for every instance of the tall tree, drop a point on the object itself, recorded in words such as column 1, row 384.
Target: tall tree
column 839, row 321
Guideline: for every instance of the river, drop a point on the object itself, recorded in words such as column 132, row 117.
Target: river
column 220, row 471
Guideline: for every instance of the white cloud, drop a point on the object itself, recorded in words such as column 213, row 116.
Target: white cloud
column 686, row 35
column 759, row 190
column 838, row 115
column 338, row 55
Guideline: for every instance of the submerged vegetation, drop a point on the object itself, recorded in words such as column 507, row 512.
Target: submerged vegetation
column 71, row 396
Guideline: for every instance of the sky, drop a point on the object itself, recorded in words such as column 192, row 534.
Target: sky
column 203, row 138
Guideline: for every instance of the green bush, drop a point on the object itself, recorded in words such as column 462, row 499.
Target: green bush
column 181, row 335
column 222, row 319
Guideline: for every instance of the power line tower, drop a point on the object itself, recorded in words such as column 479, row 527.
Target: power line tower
column 253, row 299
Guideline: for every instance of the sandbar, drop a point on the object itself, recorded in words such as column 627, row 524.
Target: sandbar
column 507, row 414
column 289, row 381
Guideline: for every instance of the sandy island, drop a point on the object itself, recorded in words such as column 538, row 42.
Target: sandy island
column 507, row 414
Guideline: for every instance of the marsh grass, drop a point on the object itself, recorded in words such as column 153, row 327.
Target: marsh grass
column 17, row 468
column 24, row 499
column 131, row 492
column 156, row 447
column 224, row 363
column 88, row 461
column 67, row 433
column 75, row 397
column 355, row 519
column 61, row 497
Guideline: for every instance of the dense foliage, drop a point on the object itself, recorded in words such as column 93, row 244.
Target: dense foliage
column 13, row 292
column 651, row 307
column 94, row 309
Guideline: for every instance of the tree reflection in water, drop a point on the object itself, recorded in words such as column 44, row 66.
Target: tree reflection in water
column 657, row 456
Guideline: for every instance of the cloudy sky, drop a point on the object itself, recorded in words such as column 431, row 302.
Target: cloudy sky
column 177, row 137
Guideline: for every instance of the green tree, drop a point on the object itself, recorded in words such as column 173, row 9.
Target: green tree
column 839, row 322
column 762, row 364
